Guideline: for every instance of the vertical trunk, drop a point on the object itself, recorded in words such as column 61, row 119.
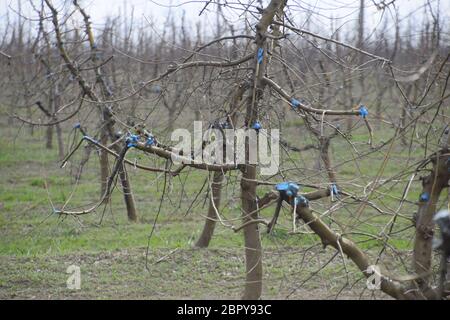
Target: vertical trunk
column 172, row 117
column 59, row 137
column 50, row 108
column 361, row 60
column 361, row 41
column 378, row 115
column 210, row 222
column 433, row 184
column 402, row 124
column 380, row 93
column 29, row 114
column 403, row 116
column 325, row 156
column 253, row 249
column 252, row 240
column 126, row 189
column 380, row 85
column 127, row 194
column 351, row 101
column 60, row 140
column 49, row 135
column 104, row 165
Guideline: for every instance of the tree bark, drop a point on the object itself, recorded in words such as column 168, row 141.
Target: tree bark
column 210, row 222
column 49, row 135
column 127, row 194
column 324, row 150
column 104, row 164
column 433, row 184
column 390, row 284
column 252, row 240
column 59, row 135
column 51, row 110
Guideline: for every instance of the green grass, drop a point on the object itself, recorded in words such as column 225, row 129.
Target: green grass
column 37, row 245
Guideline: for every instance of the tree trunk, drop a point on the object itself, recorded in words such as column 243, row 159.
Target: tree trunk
column 49, row 135
column 172, row 117
column 325, row 156
column 403, row 115
column 361, row 46
column 252, row 240
column 127, row 194
column 210, row 222
column 433, row 184
column 348, row 87
column 59, row 136
column 104, row 167
column 60, row 140
column 126, row 189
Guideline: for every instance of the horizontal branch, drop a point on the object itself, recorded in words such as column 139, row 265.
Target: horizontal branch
column 304, row 107
column 115, row 154
column 315, row 35
column 163, row 153
column 51, row 123
column 176, row 67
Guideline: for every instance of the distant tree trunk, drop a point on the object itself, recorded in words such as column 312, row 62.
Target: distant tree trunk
column 381, row 90
column 60, row 139
column 31, row 126
column 403, row 116
column 348, row 85
column 210, row 222
column 49, row 136
column 104, row 164
column 51, row 96
column 59, row 136
column 361, row 57
column 172, row 118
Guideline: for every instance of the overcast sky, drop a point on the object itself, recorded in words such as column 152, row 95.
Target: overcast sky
column 345, row 11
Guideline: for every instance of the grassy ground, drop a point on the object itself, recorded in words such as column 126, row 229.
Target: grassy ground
column 37, row 246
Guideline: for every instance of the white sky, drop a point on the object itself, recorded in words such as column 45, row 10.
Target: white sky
column 345, row 11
